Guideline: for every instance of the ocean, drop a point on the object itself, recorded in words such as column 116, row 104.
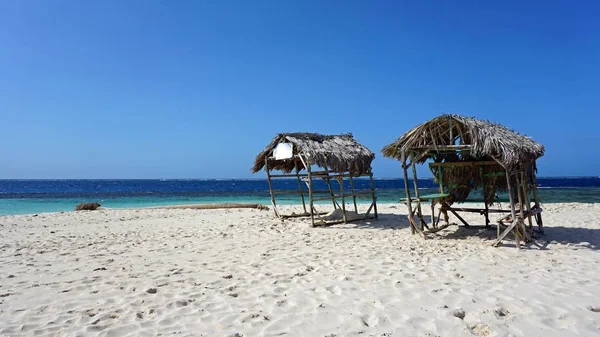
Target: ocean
column 37, row 196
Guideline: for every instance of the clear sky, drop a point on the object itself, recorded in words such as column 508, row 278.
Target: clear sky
column 195, row 89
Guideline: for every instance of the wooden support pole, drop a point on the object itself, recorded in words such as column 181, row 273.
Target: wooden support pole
column 413, row 226
column 341, row 181
column 485, row 196
column 300, row 188
column 521, row 225
column 504, row 234
column 536, row 199
column 353, row 195
column 417, row 193
column 441, row 184
column 311, row 197
column 526, row 198
column 450, row 127
column 498, row 225
column 310, row 190
column 459, row 218
column 328, row 180
column 271, row 187
column 512, row 208
column 374, row 198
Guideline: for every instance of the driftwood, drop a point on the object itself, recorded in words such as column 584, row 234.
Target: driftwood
column 87, row 206
column 215, row 206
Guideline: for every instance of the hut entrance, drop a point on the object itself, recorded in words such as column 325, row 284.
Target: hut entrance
column 467, row 155
column 326, row 168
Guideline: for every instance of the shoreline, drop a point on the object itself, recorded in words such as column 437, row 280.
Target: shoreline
column 268, row 206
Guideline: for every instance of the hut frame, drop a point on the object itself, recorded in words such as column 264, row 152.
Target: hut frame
column 482, row 154
column 339, row 157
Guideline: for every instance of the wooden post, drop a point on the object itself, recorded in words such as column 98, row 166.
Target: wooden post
column 374, row 198
column 300, row 188
column 418, row 194
column 450, row 127
column 518, row 179
column 271, row 186
column 536, row 199
column 311, row 196
column 512, row 208
column 485, row 195
column 440, row 182
column 328, row 180
column 526, row 198
column 341, row 181
column 353, row 193
column 407, row 190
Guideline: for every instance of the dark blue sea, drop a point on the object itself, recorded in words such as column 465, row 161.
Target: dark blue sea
column 36, row 196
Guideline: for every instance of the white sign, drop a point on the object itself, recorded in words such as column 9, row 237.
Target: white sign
column 283, row 151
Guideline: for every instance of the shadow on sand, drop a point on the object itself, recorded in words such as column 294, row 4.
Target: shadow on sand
column 385, row 221
column 580, row 237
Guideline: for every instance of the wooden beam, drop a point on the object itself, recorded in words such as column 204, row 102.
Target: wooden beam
column 481, row 211
column 413, row 226
column 353, row 196
column 336, row 222
column 271, row 189
column 341, row 182
column 301, row 189
column 485, row 196
column 512, row 208
column 464, row 163
column 305, row 214
column 519, row 181
column 288, row 175
column 536, row 198
column 419, row 157
column 443, row 148
column 310, row 195
column 417, row 193
column 504, row 234
column 459, row 218
column 369, row 212
column 450, row 127
column 328, row 181
column 374, row 198
column 440, row 176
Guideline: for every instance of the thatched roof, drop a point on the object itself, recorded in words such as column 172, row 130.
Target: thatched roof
column 487, row 140
column 339, row 153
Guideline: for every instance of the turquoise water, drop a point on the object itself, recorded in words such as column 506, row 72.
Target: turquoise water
column 29, row 206
column 38, row 196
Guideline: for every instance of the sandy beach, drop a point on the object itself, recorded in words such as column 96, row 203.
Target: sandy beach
column 159, row 272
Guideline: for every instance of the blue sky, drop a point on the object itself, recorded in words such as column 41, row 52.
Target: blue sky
column 195, row 89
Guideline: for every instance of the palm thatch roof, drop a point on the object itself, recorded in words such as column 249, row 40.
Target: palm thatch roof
column 339, row 153
column 487, row 140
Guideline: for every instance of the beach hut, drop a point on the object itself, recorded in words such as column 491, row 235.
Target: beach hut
column 337, row 160
column 466, row 155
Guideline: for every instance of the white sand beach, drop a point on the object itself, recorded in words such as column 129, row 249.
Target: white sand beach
column 159, row 272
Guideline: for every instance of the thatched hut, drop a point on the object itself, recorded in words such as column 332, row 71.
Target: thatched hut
column 465, row 155
column 309, row 156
